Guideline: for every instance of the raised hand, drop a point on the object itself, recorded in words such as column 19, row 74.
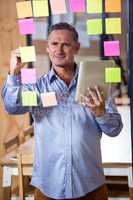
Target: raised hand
column 15, row 62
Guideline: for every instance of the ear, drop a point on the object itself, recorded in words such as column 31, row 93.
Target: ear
column 77, row 47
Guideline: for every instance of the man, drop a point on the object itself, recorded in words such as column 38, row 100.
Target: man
column 67, row 136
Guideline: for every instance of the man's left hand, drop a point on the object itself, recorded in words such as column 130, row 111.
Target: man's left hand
column 94, row 100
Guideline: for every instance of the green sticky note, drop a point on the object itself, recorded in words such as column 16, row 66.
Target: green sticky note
column 113, row 25
column 27, row 54
column 94, row 26
column 94, row 6
column 29, row 98
column 40, row 8
column 113, row 75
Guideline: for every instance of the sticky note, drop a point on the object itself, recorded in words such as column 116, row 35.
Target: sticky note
column 26, row 26
column 24, row 9
column 28, row 75
column 77, row 5
column 94, row 6
column 49, row 99
column 111, row 48
column 29, row 98
column 27, row 54
column 40, row 8
column 113, row 25
column 94, row 26
column 111, row 6
column 113, row 75
column 58, row 6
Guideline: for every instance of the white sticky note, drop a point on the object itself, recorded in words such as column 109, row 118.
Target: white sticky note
column 27, row 54
column 7, row 172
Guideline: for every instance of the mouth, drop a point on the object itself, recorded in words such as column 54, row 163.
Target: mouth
column 60, row 57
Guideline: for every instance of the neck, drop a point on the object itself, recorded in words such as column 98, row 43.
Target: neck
column 66, row 74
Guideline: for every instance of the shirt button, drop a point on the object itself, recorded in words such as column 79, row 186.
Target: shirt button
column 66, row 95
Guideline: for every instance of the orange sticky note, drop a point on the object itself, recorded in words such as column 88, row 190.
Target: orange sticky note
column 112, row 6
column 58, row 7
column 24, row 9
column 49, row 99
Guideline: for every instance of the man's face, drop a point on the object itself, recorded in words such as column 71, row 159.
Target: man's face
column 61, row 48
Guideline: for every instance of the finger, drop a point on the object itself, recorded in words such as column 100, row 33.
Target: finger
column 87, row 99
column 82, row 99
column 16, row 53
column 87, row 94
column 99, row 94
column 15, row 62
column 88, row 102
column 17, row 50
column 19, row 62
column 15, row 57
column 94, row 96
column 21, row 65
column 90, row 105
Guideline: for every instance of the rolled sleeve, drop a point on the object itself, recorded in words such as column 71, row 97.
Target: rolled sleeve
column 103, row 119
column 13, row 80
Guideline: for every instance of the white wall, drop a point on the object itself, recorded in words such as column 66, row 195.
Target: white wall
column 118, row 149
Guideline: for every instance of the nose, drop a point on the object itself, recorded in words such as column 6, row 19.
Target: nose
column 60, row 48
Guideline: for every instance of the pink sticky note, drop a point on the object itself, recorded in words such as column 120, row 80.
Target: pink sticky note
column 26, row 26
column 111, row 48
column 77, row 5
column 28, row 75
column 58, row 7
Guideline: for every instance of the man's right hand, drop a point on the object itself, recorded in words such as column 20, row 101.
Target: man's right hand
column 15, row 62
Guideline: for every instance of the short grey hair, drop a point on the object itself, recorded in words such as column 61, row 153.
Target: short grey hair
column 64, row 26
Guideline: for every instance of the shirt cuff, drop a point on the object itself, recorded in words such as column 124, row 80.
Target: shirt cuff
column 14, row 79
column 103, row 119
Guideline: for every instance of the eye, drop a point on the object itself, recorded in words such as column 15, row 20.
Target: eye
column 67, row 44
column 54, row 43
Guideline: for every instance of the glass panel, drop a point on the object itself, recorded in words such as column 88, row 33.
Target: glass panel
column 92, row 48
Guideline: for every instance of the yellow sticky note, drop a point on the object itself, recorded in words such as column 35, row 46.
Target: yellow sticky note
column 94, row 26
column 94, row 6
column 113, row 75
column 24, row 9
column 111, row 6
column 113, row 25
column 49, row 99
column 40, row 8
column 27, row 54
column 58, row 7
column 29, row 98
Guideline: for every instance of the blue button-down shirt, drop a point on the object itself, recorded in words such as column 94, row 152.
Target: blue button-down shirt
column 67, row 137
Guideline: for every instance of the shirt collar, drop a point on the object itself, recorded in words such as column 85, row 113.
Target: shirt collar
column 53, row 76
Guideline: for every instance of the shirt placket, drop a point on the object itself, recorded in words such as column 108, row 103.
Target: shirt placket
column 68, row 148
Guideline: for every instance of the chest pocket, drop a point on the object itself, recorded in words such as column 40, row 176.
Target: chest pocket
column 40, row 113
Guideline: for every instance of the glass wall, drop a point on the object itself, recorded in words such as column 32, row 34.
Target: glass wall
column 93, row 48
